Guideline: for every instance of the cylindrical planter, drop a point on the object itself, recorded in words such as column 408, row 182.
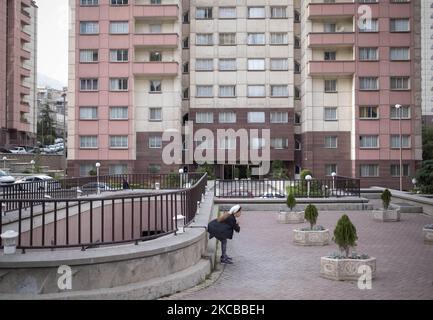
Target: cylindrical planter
column 311, row 237
column 428, row 235
column 345, row 269
column 291, row 217
column 388, row 215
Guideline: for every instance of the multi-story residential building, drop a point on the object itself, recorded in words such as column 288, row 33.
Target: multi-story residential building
column 18, row 32
column 55, row 100
column 325, row 84
column 427, row 61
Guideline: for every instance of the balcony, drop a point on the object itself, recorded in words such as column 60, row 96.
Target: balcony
column 25, row 54
column 25, row 36
column 156, row 12
column 25, row 72
column 156, row 68
column 334, row 67
column 24, row 90
column 25, row 17
column 24, row 106
column 337, row 39
column 156, row 40
column 331, row 10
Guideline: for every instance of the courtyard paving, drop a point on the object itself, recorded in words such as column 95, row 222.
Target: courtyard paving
column 267, row 265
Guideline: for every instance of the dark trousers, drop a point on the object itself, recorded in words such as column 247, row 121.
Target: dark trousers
column 224, row 248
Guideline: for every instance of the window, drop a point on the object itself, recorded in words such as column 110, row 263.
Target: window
column 88, row 56
column 256, row 117
column 331, row 85
column 395, row 141
column 89, row 2
column 369, row 170
column 204, row 117
column 227, row 91
column 88, row 142
column 256, row 39
column 155, row 1
column 331, row 142
column 297, row 118
column 227, row 64
column 117, row 169
column 369, row 25
column 118, row 2
column 329, row 27
column 368, row 112
column 88, row 113
column 257, row 143
column 227, row 117
column 119, row 27
column 119, row 84
column 155, row 142
column 227, row 143
column 297, row 67
column 185, row 43
column 88, row 84
column 205, row 143
column 330, row 168
column 185, row 68
column 400, row 83
column 154, row 168
column 278, row 12
column 298, row 145
column 279, row 143
column 366, row 54
column 227, row 39
column 279, row 117
column 204, row 91
column 256, row 12
column 204, row 39
column 368, row 83
column 330, row 113
column 297, row 93
column 399, row 54
column 203, row 13
column 119, row 55
column 185, row 94
column 185, row 18
column 118, row 113
column 296, row 16
column 256, row 91
column 155, row 56
column 297, row 43
column 279, row 91
column 155, row 85
column 155, row 28
column 89, row 27
column 369, row 142
column 278, row 38
column 119, row 142
column 279, row 64
column 204, row 65
column 395, row 113
column 227, row 12
column 256, row 64
column 399, row 25
column 395, row 170
column 155, row 114
column 329, row 55
column 86, row 169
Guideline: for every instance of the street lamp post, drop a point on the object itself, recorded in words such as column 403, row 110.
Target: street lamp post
column 64, row 131
column 33, row 165
column 98, row 190
column 399, row 108
column 180, row 178
column 308, row 178
column 4, row 162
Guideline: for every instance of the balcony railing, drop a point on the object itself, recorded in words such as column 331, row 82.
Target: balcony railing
column 321, row 39
column 156, row 12
column 332, row 67
column 331, row 10
column 156, row 68
column 162, row 40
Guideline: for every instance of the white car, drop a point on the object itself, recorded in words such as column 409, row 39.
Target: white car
column 6, row 179
column 18, row 150
column 50, row 183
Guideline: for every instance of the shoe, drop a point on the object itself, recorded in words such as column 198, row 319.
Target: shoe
column 227, row 257
column 226, row 261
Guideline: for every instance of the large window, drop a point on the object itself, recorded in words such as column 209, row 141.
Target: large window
column 119, row 27
column 395, row 170
column 155, row 142
column 256, row 39
column 89, row 27
column 368, row 83
column 227, row 64
column 369, row 170
column 203, row 13
column 118, row 2
column 331, row 86
column 155, row 114
column 366, row 54
column 279, row 117
column 257, row 143
column 369, row 142
column 204, row 65
column 399, row 25
column 404, row 111
column 279, row 143
column 119, row 142
column 88, row 84
column 227, row 12
column 227, row 143
column 119, row 55
column 256, row 12
column 331, row 142
column 369, row 25
column 89, row 55
column 256, row 91
column 330, row 169
column 88, row 113
column 395, row 141
column 330, row 113
column 88, row 142
column 279, row 64
column 204, row 39
column 155, row 56
column 89, row 2
column 118, row 84
column 204, row 117
column 256, row 117
column 279, row 38
column 227, row 91
column 227, row 117
column 368, row 112
column 155, row 86
column 256, row 64
column 117, row 169
column 278, row 12
column 204, row 91
column 279, row 91
column 118, row 113
column 227, row 39
column 87, row 169
column 399, row 54
column 400, row 83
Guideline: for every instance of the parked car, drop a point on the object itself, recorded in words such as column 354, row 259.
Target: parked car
column 92, row 187
column 18, row 150
column 4, row 150
column 270, row 195
column 6, row 179
column 240, row 194
column 40, row 181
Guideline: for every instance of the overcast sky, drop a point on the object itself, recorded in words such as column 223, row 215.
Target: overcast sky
column 53, row 25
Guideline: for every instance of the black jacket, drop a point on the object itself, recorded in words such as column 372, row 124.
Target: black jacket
column 223, row 230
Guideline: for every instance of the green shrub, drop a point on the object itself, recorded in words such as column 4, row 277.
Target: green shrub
column 345, row 234
column 386, row 198
column 278, row 170
column 291, row 201
column 305, row 173
column 311, row 215
column 92, row 172
column 424, row 177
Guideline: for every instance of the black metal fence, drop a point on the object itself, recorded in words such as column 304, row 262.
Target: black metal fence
column 277, row 188
column 97, row 221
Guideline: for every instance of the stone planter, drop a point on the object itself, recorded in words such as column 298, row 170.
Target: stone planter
column 345, row 269
column 386, row 215
column 428, row 235
column 291, row 217
column 311, row 237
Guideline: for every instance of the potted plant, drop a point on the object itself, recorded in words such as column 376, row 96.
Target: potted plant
column 314, row 235
column 428, row 233
column 346, row 265
column 291, row 216
column 386, row 213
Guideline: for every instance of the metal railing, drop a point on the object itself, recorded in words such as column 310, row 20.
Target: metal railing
column 88, row 222
column 278, row 188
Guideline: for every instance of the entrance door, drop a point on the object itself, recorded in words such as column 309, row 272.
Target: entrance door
column 229, row 172
column 297, row 172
